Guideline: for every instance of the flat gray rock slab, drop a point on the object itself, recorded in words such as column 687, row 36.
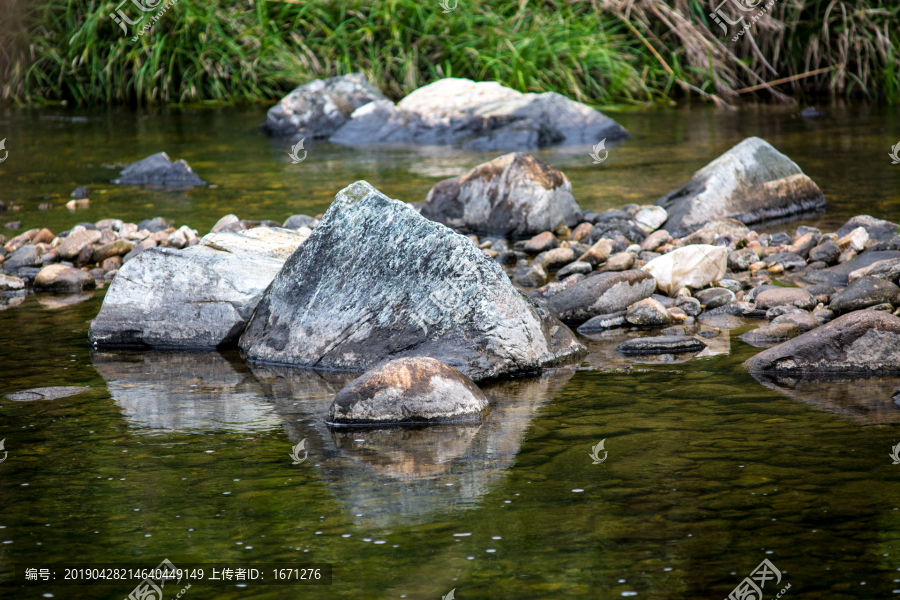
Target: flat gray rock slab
column 198, row 297
column 377, row 281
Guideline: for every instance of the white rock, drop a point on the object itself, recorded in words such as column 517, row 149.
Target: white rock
column 8, row 283
column 650, row 218
column 855, row 240
column 694, row 266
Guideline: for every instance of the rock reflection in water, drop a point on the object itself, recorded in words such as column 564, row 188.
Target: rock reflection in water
column 396, row 476
column 184, row 390
column 866, row 399
column 407, row 453
column 56, row 301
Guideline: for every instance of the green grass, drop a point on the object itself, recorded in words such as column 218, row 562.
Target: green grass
column 237, row 51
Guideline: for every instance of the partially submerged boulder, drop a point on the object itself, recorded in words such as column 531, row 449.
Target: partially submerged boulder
column 601, row 294
column 752, row 182
column 417, row 390
column 198, row 297
column 483, row 116
column 158, row 169
column 377, row 281
column 318, row 108
column 862, row 341
column 514, row 194
column 64, row 279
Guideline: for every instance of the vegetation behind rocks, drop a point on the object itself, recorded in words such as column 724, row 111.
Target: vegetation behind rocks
column 598, row 51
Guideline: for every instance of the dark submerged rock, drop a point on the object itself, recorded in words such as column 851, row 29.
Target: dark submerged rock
column 158, row 169
column 661, row 345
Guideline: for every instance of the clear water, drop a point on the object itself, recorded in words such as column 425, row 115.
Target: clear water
column 186, row 456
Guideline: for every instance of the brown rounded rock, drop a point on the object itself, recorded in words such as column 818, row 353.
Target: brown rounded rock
column 620, row 261
column 417, row 390
column 116, row 248
column 63, row 278
column 541, row 243
column 773, row 297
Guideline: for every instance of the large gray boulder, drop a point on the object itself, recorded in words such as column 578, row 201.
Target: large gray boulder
column 377, row 281
column 158, row 169
column 514, row 194
column 409, row 391
column 319, row 108
column 863, row 341
column 484, row 116
column 752, row 182
column 198, row 297
column 601, row 294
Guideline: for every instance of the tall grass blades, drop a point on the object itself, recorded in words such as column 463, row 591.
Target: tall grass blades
column 596, row 51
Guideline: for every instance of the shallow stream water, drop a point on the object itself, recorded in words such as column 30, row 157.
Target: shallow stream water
column 186, row 456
